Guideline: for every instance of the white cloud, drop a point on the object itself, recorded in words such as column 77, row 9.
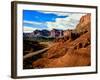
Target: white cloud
column 69, row 22
column 34, row 25
column 58, row 13
column 28, row 29
column 31, row 22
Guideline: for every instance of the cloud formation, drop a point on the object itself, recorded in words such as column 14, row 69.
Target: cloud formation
column 28, row 29
column 33, row 20
column 65, row 23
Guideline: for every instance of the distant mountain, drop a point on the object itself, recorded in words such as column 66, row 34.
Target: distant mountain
column 44, row 33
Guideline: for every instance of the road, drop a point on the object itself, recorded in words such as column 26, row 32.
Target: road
column 38, row 52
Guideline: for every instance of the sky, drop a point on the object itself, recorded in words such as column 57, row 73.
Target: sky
column 33, row 19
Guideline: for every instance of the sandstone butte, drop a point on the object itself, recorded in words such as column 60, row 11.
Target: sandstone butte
column 71, row 50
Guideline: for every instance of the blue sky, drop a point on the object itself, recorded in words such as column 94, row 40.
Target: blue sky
column 38, row 16
column 33, row 20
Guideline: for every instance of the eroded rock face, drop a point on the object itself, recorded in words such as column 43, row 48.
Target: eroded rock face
column 72, row 50
column 84, row 24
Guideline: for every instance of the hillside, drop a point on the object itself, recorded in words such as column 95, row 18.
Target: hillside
column 71, row 50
